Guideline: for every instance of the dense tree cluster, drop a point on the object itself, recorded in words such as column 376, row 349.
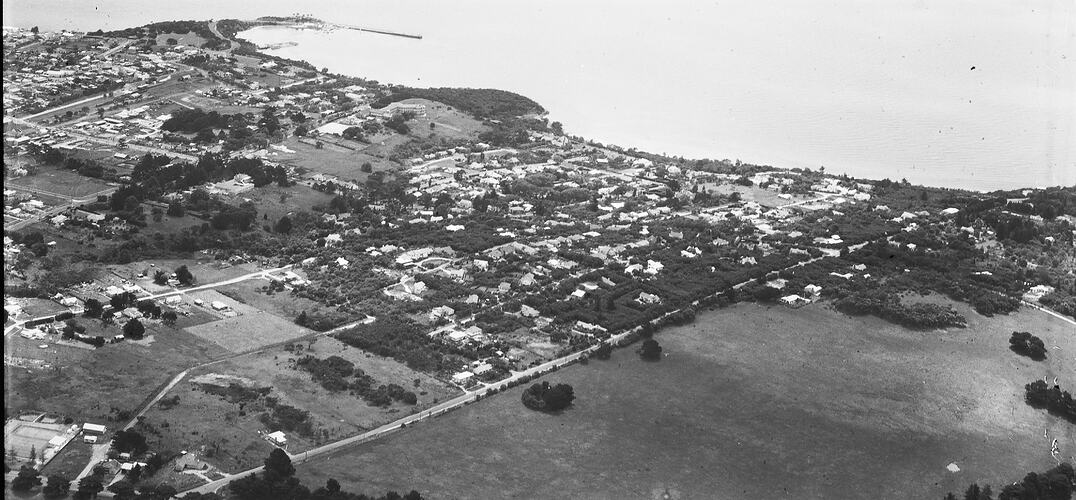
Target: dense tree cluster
column 1039, row 395
column 403, row 341
column 1028, row 345
column 231, row 217
column 26, row 480
column 887, row 305
column 546, row 397
column 129, row 441
column 286, row 418
column 194, row 120
column 1058, row 483
column 1046, row 203
column 236, row 393
column 57, row 486
column 398, row 122
column 1061, row 302
column 333, row 372
column 480, row 103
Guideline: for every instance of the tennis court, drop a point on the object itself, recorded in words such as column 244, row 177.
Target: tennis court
column 22, row 437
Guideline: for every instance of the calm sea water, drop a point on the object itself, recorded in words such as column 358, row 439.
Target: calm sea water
column 970, row 94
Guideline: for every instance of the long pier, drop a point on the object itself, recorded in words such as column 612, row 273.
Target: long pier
column 370, row 30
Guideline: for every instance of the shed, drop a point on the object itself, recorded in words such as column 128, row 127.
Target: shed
column 93, row 429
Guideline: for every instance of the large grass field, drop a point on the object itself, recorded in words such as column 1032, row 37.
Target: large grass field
column 58, row 181
column 750, row 402
column 341, row 163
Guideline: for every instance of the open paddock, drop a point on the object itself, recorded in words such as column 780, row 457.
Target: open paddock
column 750, row 402
column 192, row 39
column 57, row 181
column 251, row 329
column 120, row 376
column 342, row 164
column 282, row 304
column 448, row 122
column 276, row 201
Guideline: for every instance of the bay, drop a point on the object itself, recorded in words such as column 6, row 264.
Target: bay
column 975, row 95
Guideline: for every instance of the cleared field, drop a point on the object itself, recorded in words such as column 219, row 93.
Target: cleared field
column 282, row 304
column 343, row 164
column 448, row 122
column 756, row 194
column 57, row 181
column 250, row 329
column 119, row 376
column 276, row 202
column 751, row 402
column 226, row 434
column 191, row 39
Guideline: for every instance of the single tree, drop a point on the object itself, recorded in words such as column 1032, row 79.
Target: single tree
column 184, row 275
column 90, row 485
column 283, row 225
column 93, row 308
column 134, row 329
column 650, row 350
column 279, row 465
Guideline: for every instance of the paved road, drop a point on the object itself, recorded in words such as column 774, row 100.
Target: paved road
column 1050, row 312
column 65, row 106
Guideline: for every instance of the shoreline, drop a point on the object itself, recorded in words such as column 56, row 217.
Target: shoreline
column 296, row 50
